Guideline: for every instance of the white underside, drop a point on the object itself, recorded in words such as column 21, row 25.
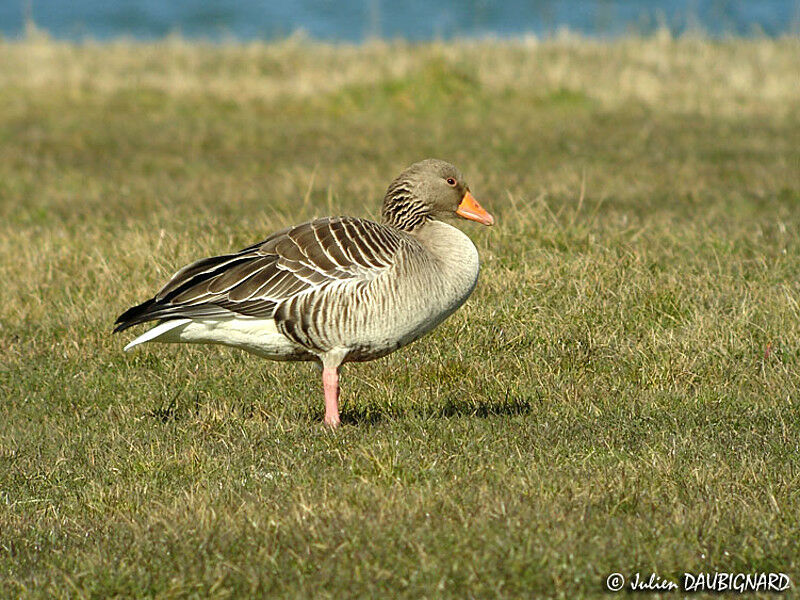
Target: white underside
column 259, row 336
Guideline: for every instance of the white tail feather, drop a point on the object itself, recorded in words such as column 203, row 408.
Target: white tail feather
column 156, row 332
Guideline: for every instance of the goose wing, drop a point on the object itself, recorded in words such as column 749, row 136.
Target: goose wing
column 254, row 281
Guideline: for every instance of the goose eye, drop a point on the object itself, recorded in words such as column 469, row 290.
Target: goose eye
column 451, row 181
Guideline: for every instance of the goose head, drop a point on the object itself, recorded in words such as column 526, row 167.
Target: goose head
column 427, row 190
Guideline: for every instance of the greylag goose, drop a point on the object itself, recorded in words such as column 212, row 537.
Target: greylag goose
column 332, row 290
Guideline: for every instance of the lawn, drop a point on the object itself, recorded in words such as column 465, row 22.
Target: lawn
column 620, row 394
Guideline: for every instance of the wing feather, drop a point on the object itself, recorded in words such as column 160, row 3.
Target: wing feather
column 253, row 282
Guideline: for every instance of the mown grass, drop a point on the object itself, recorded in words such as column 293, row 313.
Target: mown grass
column 619, row 394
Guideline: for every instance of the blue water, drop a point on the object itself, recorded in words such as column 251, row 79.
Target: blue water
column 356, row 20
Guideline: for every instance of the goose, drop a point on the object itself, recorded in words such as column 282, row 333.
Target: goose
column 331, row 290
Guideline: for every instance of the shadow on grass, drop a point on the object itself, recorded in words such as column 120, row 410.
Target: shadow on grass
column 174, row 410
column 450, row 407
column 164, row 413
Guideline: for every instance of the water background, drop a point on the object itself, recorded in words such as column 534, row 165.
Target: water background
column 357, row 20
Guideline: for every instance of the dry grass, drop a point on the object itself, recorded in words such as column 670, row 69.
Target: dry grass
column 620, row 394
column 753, row 77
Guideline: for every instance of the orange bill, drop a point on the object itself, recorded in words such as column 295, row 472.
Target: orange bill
column 470, row 209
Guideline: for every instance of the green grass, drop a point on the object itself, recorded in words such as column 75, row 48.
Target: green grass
column 619, row 394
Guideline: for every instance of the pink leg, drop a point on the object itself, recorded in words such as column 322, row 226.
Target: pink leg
column 330, row 383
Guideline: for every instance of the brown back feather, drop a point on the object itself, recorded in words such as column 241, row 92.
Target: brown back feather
column 257, row 279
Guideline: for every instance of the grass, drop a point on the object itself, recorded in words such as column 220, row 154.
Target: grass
column 619, row 394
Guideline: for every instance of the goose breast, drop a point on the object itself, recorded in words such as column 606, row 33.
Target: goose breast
column 432, row 274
